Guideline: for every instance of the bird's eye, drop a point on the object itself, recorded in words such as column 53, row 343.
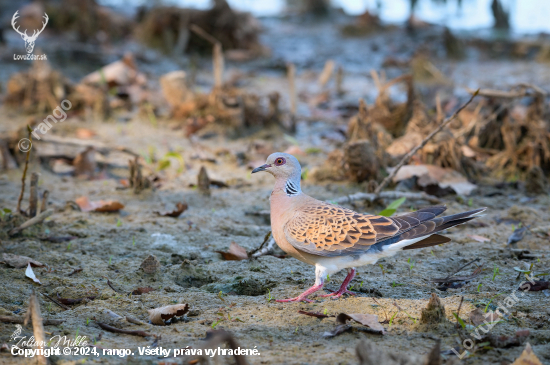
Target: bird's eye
column 280, row 161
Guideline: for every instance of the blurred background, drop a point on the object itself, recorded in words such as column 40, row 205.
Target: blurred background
column 302, row 70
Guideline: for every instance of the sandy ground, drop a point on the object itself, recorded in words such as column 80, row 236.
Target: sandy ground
column 112, row 247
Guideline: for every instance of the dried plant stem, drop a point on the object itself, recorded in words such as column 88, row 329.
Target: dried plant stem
column 31, row 222
column 291, row 74
column 24, row 177
column 55, row 302
column 44, row 204
column 37, row 326
column 266, row 238
column 409, row 155
column 33, row 198
column 339, row 80
column 217, row 54
column 218, row 64
column 326, row 74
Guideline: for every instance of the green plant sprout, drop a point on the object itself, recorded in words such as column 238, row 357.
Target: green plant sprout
column 392, row 208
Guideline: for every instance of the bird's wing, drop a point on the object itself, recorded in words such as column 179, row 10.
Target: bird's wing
column 328, row 230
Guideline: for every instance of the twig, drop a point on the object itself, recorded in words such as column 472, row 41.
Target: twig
column 56, row 302
column 21, row 320
column 203, row 34
column 409, row 155
column 385, row 195
column 490, row 93
column 106, row 327
column 75, row 271
column 37, row 326
column 459, row 306
column 267, row 249
column 33, row 198
column 44, row 203
column 31, row 222
column 266, row 238
column 463, row 267
column 384, row 309
column 134, row 321
column 111, row 286
column 23, row 178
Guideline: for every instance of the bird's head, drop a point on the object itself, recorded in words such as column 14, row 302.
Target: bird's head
column 282, row 166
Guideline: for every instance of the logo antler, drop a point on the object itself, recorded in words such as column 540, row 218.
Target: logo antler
column 29, row 41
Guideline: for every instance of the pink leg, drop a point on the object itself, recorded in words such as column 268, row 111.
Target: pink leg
column 344, row 288
column 303, row 297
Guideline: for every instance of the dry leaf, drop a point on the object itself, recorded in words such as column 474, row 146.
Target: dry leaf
column 150, row 264
column 143, row 290
column 478, row 317
column 431, row 175
column 30, row 274
column 159, row 315
column 478, row 238
column 235, row 252
column 98, row 206
column 19, row 261
column 83, row 133
column 369, row 320
column 538, row 285
column 527, row 357
column 180, row 208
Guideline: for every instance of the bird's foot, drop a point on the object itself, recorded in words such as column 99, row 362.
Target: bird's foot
column 338, row 294
column 302, row 297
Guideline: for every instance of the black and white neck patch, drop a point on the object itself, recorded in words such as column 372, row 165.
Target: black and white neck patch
column 291, row 189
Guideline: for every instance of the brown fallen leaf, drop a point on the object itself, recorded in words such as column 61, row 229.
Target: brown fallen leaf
column 235, row 253
column 478, row 317
column 19, row 262
column 158, row 316
column 150, row 264
column 98, row 206
column 527, row 357
column 142, row 290
column 537, row 286
column 83, row 133
column 436, row 180
column 477, row 238
column 369, row 320
column 180, row 208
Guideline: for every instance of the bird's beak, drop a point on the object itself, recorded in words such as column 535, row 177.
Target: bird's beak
column 260, row 168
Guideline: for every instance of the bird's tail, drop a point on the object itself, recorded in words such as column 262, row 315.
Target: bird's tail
column 424, row 234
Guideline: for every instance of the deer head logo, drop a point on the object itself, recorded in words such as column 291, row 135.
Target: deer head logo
column 29, row 41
